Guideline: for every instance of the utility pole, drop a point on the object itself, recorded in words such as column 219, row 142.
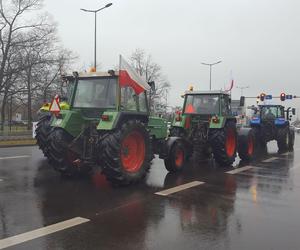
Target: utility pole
column 242, row 88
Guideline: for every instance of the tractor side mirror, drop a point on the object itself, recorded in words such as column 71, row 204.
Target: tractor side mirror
column 152, row 85
column 293, row 111
column 242, row 101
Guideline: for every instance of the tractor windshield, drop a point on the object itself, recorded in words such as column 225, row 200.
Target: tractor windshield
column 271, row 112
column 202, row 104
column 95, row 93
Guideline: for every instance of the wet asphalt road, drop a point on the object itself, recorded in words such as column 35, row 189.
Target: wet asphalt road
column 258, row 208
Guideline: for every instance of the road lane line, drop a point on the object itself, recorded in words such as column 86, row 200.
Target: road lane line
column 270, row 159
column 238, row 170
column 14, row 157
column 21, row 238
column 179, row 188
column 287, row 153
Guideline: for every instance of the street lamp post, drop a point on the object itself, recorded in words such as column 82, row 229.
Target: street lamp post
column 242, row 88
column 210, row 66
column 95, row 13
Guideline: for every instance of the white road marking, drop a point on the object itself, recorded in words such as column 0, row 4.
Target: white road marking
column 14, row 157
column 287, row 153
column 270, row 159
column 1, row 179
column 238, row 170
column 21, row 238
column 179, row 188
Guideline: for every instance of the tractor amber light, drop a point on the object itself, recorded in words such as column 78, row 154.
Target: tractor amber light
column 178, row 118
column 105, row 118
column 215, row 119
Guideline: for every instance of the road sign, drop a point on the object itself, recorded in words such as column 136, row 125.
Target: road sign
column 268, row 97
column 289, row 97
column 54, row 107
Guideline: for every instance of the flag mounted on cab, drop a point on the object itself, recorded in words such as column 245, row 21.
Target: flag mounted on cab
column 129, row 77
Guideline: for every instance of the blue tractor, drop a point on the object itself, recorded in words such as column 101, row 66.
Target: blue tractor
column 272, row 122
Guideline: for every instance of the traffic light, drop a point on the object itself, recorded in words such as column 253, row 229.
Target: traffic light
column 282, row 97
column 262, row 97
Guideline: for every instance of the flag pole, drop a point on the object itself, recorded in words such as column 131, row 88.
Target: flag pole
column 118, row 85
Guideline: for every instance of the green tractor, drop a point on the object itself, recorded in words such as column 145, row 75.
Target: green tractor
column 208, row 127
column 108, row 126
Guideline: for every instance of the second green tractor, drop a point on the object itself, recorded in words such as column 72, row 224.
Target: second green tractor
column 208, row 128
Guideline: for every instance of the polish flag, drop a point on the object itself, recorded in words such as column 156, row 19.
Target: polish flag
column 230, row 84
column 129, row 77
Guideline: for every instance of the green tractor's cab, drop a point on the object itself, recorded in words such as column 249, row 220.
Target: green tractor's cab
column 99, row 99
column 210, row 106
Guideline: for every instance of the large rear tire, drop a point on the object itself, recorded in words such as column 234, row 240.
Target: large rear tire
column 177, row 157
column 60, row 156
column 42, row 131
column 224, row 144
column 126, row 153
column 291, row 139
column 283, row 139
column 260, row 147
column 246, row 145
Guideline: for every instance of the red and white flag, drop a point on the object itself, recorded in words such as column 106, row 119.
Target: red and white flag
column 129, row 77
column 231, row 83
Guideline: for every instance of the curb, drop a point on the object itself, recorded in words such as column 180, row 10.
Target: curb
column 17, row 143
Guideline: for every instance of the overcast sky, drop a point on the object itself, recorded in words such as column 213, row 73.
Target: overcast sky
column 258, row 40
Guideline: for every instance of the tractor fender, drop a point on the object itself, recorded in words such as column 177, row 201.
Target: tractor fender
column 168, row 144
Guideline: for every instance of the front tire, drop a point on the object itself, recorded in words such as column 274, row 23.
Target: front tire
column 177, row 157
column 224, row 144
column 126, row 153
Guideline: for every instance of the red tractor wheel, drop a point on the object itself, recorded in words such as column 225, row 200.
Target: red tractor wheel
column 246, row 144
column 126, row 153
column 133, row 151
column 223, row 142
column 177, row 157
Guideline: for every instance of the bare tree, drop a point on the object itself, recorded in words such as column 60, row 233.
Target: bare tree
column 12, row 24
column 31, row 59
column 152, row 72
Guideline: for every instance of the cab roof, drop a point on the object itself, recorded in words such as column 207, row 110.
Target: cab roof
column 92, row 74
column 206, row 92
column 97, row 74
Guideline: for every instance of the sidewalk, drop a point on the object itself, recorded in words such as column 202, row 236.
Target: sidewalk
column 16, row 140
